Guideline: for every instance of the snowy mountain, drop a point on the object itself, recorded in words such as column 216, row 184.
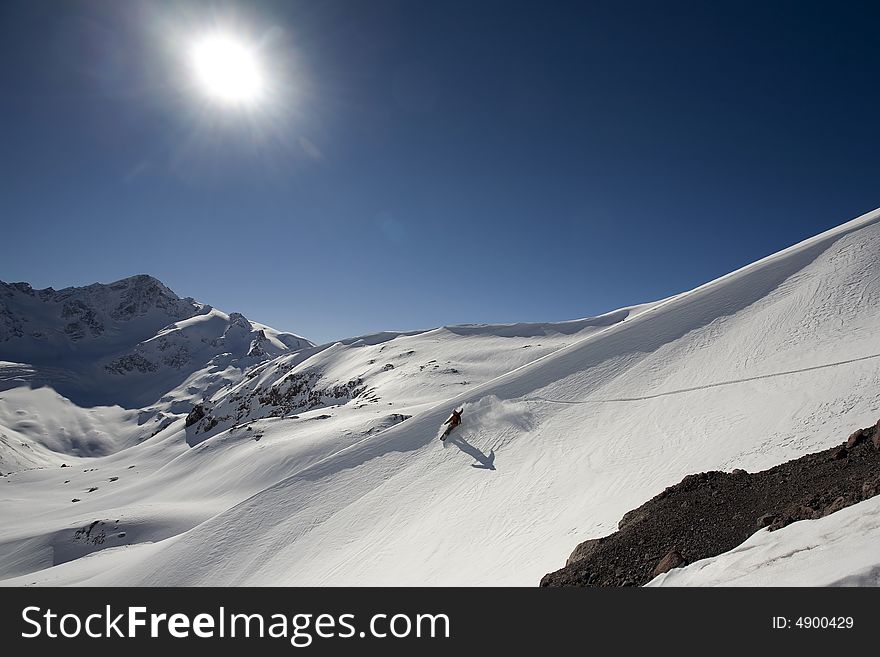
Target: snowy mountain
column 133, row 343
column 321, row 465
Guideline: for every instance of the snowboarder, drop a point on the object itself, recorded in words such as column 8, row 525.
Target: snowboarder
column 453, row 421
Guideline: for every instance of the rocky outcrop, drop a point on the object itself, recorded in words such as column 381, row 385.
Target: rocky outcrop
column 583, row 551
column 196, row 414
column 10, row 325
column 256, row 349
column 673, row 559
column 131, row 363
column 295, row 393
column 709, row 513
column 301, row 391
column 83, row 320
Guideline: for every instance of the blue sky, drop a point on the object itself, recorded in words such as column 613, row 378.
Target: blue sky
column 425, row 162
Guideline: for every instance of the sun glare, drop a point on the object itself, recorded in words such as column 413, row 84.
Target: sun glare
column 227, row 70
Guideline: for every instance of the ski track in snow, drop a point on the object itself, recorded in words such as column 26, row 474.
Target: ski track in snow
column 702, row 387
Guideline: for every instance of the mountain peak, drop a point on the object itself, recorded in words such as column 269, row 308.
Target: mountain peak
column 77, row 337
column 41, row 324
column 141, row 281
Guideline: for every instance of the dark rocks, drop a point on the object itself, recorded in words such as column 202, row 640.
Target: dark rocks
column 838, row 504
column 75, row 499
column 299, row 392
column 177, row 358
column 256, row 350
column 93, row 534
column 807, row 513
column 24, row 288
column 673, row 559
column 64, row 465
column 856, row 437
column 141, row 293
column 709, row 513
column 583, row 551
column 10, row 325
column 766, row 520
column 196, row 414
column 631, row 517
column 794, row 514
column 237, row 320
column 131, row 363
column 871, row 488
column 85, row 320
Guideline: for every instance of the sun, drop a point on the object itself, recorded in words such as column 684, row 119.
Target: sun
column 227, row 69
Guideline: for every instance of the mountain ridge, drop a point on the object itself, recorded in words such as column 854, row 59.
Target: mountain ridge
column 130, row 343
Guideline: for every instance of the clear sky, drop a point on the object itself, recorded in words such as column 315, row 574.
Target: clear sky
column 426, row 162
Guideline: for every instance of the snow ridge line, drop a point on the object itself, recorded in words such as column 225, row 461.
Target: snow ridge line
column 825, row 240
column 703, row 387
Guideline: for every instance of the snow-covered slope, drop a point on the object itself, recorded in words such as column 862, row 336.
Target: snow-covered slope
column 323, row 466
column 280, row 416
